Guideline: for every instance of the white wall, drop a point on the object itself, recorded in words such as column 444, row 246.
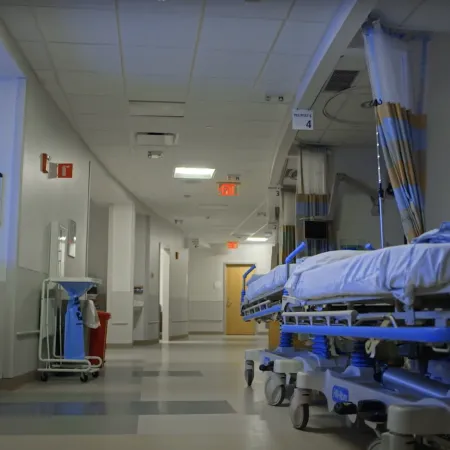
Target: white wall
column 437, row 199
column 161, row 232
column 206, row 281
column 98, row 244
column 355, row 221
column 141, row 275
column 12, row 94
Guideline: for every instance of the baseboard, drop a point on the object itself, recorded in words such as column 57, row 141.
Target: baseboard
column 11, row 384
column 179, row 337
column 206, row 332
column 262, row 333
column 144, row 343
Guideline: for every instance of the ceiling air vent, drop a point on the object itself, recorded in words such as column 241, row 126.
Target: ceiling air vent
column 341, row 80
column 161, row 139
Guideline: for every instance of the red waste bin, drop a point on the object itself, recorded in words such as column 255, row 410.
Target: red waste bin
column 97, row 339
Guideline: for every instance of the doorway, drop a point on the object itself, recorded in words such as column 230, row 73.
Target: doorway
column 164, row 291
column 235, row 325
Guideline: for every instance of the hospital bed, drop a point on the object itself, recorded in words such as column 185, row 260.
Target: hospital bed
column 388, row 313
column 263, row 304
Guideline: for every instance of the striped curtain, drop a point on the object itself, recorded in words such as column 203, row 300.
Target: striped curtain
column 401, row 136
column 397, row 69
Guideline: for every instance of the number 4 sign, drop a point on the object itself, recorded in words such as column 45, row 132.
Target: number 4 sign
column 302, row 119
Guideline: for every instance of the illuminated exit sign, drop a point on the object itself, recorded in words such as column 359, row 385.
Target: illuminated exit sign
column 233, row 245
column 228, row 189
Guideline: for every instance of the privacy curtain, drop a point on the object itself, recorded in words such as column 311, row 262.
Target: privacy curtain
column 397, row 70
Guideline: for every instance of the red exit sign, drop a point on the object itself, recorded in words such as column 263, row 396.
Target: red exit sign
column 232, row 245
column 228, row 189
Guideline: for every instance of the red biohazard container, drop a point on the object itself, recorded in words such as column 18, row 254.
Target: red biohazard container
column 97, row 339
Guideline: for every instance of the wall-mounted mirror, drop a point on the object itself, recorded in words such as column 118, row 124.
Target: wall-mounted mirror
column 72, row 244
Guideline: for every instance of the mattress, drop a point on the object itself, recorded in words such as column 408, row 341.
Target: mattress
column 267, row 283
column 253, row 278
column 276, row 279
column 398, row 271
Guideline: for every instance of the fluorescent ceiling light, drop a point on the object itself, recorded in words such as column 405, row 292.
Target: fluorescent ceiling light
column 194, row 173
column 257, row 239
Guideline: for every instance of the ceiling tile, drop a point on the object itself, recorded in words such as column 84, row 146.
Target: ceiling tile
column 106, row 137
column 90, row 83
column 298, row 38
column 181, row 7
column 431, row 15
column 157, row 88
column 37, row 55
column 78, row 26
column 231, row 110
column 89, row 58
column 269, row 9
column 285, row 68
column 85, row 4
column 274, row 89
column 238, row 34
column 397, row 11
column 20, row 23
column 224, row 89
column 98, row 104
column 101, row 122
column 159, row 30
column 228, row 64
column 314, row 10
column 157, row 61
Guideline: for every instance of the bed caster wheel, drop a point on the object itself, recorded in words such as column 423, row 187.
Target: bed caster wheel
column 375, row 445
column 44, row 377
column 299, row 415
column 84, row 378
column 274, row 390
column 249, row 373
column 249, row 376
column 96, row 374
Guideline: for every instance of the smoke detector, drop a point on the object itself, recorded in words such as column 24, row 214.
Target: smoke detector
column 154, row 155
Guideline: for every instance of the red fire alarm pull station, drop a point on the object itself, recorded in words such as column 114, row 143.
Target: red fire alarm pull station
column 228, row 189
column 44, row 162
column 65, row 170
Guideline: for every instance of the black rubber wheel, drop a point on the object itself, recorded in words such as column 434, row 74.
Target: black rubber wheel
column 299, row 415
column 249, row 376
column 44, row 377
column 84, row 378
column 96, row 374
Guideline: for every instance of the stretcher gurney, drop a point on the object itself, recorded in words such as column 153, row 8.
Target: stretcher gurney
column 393, row 307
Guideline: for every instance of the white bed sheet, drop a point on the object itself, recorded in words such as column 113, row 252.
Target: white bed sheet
column 269, row 282
column 397, row 271
column 276, row 278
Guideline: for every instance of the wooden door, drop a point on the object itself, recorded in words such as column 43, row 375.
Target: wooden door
column 235, row 325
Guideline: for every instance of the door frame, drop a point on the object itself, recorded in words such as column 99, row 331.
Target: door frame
column 224, row 289
column 165, row 306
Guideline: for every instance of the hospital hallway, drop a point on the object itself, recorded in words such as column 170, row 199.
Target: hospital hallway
column 187, row 394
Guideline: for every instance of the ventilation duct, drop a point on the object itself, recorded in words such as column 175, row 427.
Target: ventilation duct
column 341, row 80
column 159, row 139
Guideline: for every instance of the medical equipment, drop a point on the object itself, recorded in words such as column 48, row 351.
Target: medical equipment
column 61, row 341
column 391, row 307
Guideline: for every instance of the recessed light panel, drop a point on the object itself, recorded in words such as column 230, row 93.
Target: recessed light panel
column 194, row 173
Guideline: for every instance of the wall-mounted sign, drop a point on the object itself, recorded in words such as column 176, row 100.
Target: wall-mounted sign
column 228, row 189
column 65, row 170
column 302, row 119
column 233, row 245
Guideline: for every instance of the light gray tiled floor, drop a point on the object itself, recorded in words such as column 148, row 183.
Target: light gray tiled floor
column 187, row 394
